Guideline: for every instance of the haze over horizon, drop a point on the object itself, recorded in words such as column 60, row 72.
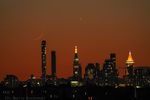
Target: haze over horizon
column 97, row 27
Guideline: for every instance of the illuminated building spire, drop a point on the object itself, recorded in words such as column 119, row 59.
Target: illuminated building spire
column 76, row 59
column 130, row 60
column 77, row 71
column 129, row 65
column 76, row 49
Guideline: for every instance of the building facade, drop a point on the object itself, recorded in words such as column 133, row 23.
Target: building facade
column 43, row 56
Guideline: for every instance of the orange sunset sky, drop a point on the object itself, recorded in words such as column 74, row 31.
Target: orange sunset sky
column 97, row 27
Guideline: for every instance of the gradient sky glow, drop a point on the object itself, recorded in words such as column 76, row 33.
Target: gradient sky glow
column 97, row 27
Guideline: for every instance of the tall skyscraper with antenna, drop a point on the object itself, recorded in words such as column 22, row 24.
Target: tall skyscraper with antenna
column 43, row 56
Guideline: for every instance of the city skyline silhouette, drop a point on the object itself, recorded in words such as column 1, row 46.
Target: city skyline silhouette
column 97, row 27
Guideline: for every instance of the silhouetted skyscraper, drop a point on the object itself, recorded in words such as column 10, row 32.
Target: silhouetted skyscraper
column 76, row 66
column 90, row 72
column 43, row 56
column 109, row 72
column 113, row 58
column 53, row 64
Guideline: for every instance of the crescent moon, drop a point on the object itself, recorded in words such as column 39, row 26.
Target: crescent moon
column 40, row 36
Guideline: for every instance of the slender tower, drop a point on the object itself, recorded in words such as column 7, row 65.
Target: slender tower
column 129, row 64
column 76, row 65
column 53, row 64
column 43, row 56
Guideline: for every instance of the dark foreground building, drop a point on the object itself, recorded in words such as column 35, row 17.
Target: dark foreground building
column 66, row 92
column 53, row 64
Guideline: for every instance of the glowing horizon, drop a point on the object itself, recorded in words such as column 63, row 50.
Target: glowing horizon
column 97, row 27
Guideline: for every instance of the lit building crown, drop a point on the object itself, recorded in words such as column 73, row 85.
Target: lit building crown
column 130, row 59
column 76, row 49
column 76, row 59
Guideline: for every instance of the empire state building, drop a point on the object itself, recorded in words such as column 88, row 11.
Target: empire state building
column 77, row 72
